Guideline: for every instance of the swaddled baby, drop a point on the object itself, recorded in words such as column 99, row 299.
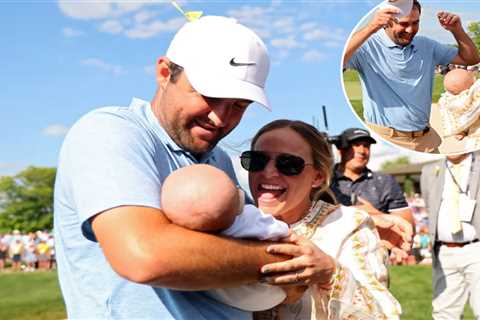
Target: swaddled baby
column 460, row 104
column 203, row 198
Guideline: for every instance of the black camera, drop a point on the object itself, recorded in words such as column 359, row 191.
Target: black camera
column 339, row 141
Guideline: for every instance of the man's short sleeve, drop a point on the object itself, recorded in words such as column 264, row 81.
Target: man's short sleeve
column 355, row 59
column 107, row 161
column 442, row 54
column 395, row 195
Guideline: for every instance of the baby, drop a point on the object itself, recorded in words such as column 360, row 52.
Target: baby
column 460, row 104
column 203, row 198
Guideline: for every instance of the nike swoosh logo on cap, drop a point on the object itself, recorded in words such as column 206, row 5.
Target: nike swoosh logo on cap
column 238, row 64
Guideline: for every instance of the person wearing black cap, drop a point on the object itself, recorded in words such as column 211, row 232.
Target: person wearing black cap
column 353, row 183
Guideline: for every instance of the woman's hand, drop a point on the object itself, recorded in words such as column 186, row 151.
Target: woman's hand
column 309, row 265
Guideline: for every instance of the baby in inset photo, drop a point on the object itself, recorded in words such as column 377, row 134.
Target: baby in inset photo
column 459, row 105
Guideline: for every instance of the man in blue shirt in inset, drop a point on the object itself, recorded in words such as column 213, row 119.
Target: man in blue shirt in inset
column 396, row 71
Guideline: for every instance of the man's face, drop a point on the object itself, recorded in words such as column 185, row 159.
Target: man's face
column 356, row 156
column 196, row 122
column 403, row 31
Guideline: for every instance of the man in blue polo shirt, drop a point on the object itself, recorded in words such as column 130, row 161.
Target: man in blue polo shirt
column 118, row 255
column 396, row 71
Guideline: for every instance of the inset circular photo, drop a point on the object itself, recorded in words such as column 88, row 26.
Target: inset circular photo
column 410, row 72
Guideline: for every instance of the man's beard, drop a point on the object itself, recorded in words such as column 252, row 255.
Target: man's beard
column 179, row 133
column 400, row 40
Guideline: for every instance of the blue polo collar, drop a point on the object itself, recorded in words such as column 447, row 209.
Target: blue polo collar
column 385, row 39
column 167, row 140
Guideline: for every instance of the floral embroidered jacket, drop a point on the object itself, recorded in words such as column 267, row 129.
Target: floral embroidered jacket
column 359, row 288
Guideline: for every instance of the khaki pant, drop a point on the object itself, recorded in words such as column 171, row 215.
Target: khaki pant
column 417, row 141
column 456, row 280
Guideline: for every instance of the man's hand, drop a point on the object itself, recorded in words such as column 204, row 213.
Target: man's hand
column 309, row 264
column 449, row 21
column 365, row 205
column 383, row 18
column 394, row 231
column 397, row 256
column 467, row 51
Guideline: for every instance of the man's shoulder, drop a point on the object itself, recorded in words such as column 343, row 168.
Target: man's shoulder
column 382, row 179
column 380, row 175
column 116, row 122
column 372, row 43
column 115, row 115
column 421, row 39
column 426, row 44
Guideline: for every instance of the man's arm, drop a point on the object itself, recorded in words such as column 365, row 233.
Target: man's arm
column 381, row 18
column 405, row 213
column 396, row 232
column 142, row 245
column 467, row 52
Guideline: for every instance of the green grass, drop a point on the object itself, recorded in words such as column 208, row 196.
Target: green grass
column 37, row 295
column 353, row 89
column 412, row 286
column 26, row 296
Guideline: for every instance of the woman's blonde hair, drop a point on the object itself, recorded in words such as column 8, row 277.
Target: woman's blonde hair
column 320, row 148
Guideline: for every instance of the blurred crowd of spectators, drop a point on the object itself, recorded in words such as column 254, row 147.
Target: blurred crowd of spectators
column 27, row 252
column 443, row 69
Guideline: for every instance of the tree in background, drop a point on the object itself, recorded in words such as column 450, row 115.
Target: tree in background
column 474, row 29
column 26, row 200
column 395, row 163
column 408, row 184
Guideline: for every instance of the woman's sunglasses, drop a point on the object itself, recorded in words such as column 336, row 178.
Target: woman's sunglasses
column 286, row 164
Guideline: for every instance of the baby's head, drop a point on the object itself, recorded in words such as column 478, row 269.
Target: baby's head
column 200, row 197
column 458, row 80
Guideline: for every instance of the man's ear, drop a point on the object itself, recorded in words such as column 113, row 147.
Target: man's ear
column 162, row 72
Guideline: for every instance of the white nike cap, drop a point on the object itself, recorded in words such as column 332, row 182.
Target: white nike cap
column 222, row 59
column 405, row 6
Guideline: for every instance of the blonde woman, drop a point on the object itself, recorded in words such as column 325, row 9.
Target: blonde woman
column 289, row 168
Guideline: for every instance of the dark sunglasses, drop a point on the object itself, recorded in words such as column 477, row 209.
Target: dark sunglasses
column 286, row 164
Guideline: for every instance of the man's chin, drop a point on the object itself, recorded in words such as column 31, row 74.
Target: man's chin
column 199, row 146
column 404, row 42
